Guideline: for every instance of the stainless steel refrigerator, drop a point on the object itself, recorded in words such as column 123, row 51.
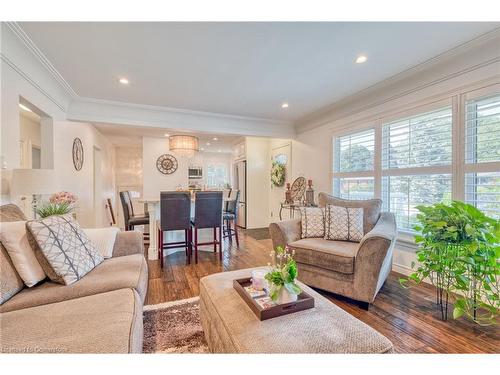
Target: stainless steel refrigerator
column 240, row 183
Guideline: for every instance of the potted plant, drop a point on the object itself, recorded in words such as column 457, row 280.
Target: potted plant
column 282, row 276
column 61, row 203
column 458, row 253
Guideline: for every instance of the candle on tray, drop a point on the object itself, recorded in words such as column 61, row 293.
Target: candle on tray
column 259, row 279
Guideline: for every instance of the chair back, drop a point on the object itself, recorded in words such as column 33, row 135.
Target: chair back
column 132, row 213
column 208, row 209
column 175, row 210
column 232, row 205
column 125, row 200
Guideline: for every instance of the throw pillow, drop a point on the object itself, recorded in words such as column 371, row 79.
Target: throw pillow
column 14, row 238
column 312, row 220
column 343, row 223
column 103, row 239
column 65, row 249
column 10, row 281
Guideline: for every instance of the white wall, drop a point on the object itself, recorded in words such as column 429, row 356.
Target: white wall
column 473, row 68
column 30, row 135
column 258, row 182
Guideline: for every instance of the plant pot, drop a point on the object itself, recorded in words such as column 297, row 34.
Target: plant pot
column 284, row 296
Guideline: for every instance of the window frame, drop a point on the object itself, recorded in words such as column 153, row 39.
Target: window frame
column 458, row 167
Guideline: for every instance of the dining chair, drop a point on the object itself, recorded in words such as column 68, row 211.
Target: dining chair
column 129, row 218
column 230, row 215
column 175, row 214
column 208, row 214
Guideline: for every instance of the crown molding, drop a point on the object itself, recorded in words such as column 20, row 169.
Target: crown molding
column 350, row 105
column 113, row 112
column 44, row 61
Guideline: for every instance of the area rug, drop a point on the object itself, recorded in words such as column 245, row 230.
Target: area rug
column 174, row 327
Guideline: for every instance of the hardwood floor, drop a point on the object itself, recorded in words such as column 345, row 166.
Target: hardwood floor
column 407, row 317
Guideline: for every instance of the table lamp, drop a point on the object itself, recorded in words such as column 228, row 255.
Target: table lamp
column 34, row 182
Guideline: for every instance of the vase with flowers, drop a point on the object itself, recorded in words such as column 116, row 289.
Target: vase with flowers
column 282, row 276
column 61, row 203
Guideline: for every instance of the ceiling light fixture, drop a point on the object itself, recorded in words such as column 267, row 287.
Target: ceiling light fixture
column 167, row 135
column 184, row 145
column 123, row 81
column 361, row 59
column 23, row 107
column 284, row 105
column 215, row 138
column 208, row 143
column 219, row 150
column 202, row 149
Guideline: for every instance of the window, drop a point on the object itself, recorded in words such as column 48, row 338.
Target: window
column 416, row 164
column 482, row 154
column 354, row 165
column 217, row 175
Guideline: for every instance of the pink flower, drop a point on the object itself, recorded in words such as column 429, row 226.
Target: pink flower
column 63, row 197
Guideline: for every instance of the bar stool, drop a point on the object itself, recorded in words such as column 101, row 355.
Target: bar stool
column 230, row 215
column 208, row 214
column 175, row 214
column 129, row 218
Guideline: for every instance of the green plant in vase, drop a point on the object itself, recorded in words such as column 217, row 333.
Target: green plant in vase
column 458, row 253
column 282, row 276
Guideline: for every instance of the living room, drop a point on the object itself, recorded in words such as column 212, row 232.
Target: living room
column 196, row 187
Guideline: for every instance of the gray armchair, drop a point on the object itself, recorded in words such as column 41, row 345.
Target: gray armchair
column 355, row 270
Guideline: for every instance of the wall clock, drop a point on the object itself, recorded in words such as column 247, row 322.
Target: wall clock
column 77, row 154
column 166, row 164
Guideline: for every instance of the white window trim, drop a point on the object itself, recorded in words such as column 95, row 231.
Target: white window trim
column 458, row 168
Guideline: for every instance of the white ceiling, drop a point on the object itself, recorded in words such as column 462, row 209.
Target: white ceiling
column 245, row 69
column 123, row 135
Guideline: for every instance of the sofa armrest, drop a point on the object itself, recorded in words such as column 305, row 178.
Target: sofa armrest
column 373, row 260
column 284, row 232
column 128, row 243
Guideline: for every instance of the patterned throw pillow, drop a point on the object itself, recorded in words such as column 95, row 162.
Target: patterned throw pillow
column 343, row 223
column 312, row 222
column 62, row 248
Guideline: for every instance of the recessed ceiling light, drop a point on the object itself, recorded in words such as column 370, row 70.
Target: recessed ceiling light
column 202, row 149
column 219, row 150
column 208, row 143
column 215, row 138
column 167, row 135
column 124, row 81
column 22, row 106
column 284, row 105
column 361, row 59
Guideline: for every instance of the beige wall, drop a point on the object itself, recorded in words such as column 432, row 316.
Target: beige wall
column 258, row 182
column 29, row 135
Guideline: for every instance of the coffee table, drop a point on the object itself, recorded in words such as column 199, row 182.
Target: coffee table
column 231, row 327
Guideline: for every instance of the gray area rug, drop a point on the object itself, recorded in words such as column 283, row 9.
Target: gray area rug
column 174, row 327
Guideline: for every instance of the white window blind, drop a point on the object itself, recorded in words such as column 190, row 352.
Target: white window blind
column 354, row 152
column 419, row 141
column 354, row 165
column 483, row 191
column 482, row 126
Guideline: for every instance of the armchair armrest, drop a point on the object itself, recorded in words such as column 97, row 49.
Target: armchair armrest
column 373, row 261
column 284, row 232
column 128, row 243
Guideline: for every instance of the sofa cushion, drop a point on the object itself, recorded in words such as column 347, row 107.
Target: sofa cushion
column 14, row 238
column 103, row 323
column 343, row 223
column 115, row 273
column 371, row 208
column 10, row 281
column 312, row 222
column 332, row 255
column 63, row 249
column 11, row 212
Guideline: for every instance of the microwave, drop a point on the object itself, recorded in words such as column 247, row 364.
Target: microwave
column 195, row 172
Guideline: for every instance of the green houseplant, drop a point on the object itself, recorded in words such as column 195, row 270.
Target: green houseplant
column 282, row 276
column 459, row 253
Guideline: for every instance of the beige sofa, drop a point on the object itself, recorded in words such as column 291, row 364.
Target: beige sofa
column 101, row 313
column 351, row 269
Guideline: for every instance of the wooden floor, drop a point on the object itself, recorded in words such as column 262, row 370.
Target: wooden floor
column 407, row 317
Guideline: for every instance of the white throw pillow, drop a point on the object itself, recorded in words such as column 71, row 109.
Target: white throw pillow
column 312, row 220
column 15, row 240
column 103, row 239
column 343, row 223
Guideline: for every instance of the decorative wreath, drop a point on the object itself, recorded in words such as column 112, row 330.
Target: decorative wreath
column 278, row 174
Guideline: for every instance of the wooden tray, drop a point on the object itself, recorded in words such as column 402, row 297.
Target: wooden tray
column 304, row 302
